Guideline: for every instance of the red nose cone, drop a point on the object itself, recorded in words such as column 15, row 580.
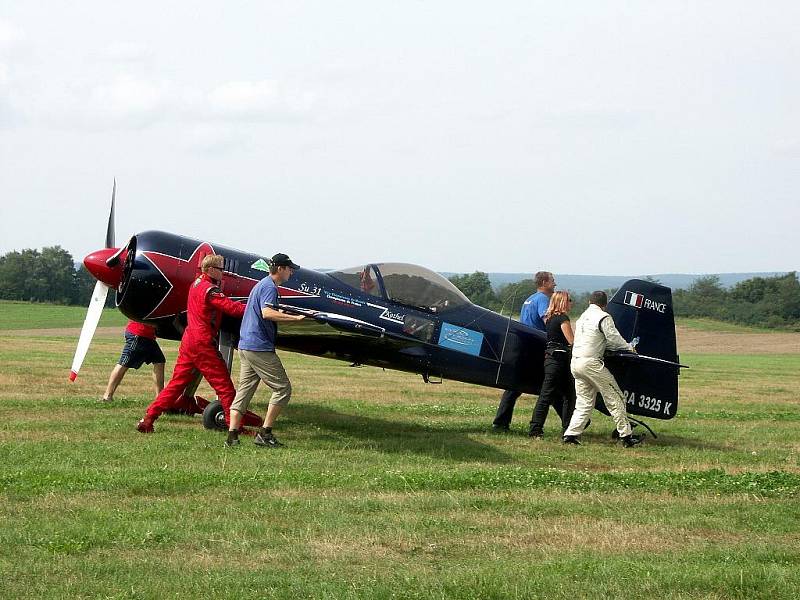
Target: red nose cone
column 96, row 265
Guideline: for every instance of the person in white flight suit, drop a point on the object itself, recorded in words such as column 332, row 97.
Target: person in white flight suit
column 595, row 333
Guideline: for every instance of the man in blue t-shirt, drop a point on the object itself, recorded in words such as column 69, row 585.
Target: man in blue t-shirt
column 257, row 353
column 533, row 309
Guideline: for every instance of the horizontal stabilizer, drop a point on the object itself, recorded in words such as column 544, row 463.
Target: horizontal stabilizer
column 643, row 358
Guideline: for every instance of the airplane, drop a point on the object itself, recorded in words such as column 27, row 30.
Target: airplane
column 393, row 315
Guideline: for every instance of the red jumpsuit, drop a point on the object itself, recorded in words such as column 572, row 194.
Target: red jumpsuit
column 198, row 350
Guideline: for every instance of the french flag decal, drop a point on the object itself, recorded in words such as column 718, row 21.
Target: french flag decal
column 634, row 299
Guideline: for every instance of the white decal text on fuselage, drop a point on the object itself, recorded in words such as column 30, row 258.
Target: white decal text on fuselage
column 388, row 314
column 646, row 402
column 656, row 306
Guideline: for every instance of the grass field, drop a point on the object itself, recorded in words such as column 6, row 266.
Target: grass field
column 27, row 315
column 390, row 488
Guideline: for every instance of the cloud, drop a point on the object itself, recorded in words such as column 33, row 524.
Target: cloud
column 13, row 45
column 215, row 139
column 11, row 36
column 595, row 116
column 132, row 102
column 129, row 98
column 125, row 98
column 125, row 102
column 257, row 100
column 789, row 148
column 127, row 52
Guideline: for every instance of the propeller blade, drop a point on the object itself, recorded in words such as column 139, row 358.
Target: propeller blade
column 93, row 314
column 110, row 229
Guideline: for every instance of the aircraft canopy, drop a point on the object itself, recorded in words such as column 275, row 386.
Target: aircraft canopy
column 404, row 283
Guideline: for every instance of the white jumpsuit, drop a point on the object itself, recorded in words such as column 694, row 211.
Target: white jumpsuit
column 594, row 333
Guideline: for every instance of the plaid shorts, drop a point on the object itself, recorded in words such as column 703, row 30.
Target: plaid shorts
column 139, row 350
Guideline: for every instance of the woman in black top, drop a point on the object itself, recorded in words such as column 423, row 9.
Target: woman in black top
column 558, row 386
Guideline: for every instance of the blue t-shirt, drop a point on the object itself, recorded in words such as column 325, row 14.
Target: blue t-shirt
column 533, row 309
column 257, row 333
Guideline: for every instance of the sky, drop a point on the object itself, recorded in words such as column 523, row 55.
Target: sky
column 591, row 137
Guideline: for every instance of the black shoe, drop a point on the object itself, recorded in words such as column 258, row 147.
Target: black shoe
column 629, row 441
column 536, row 434
column 500, row 428
column 232, row 440
column 267, row 440
column 571, row 439
column 615, row 433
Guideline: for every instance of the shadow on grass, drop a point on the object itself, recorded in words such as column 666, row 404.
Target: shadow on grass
column 663, row 439
column 396, row 436
column 700, row 443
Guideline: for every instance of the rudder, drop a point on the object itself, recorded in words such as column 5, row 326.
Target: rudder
column 643, row 309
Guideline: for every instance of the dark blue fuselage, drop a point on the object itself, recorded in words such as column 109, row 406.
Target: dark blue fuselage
column 394, row 316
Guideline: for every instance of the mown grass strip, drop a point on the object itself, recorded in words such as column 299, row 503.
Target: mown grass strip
column 31, row 315
column 135, row 481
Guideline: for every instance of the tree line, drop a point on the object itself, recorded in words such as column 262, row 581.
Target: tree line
column 46, row 276
column 772, row 302
column 50, row 275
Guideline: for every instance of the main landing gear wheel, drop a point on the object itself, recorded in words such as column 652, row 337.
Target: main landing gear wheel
column 214, row 416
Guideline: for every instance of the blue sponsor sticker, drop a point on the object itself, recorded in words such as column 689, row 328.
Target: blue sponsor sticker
column 461, row 339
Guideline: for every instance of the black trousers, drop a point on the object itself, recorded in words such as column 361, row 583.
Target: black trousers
column 558, row 391
column 505, row 410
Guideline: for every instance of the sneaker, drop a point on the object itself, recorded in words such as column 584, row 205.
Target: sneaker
column 145, row 426
column 615, row 434
column 267, row 440
column 629, row 441
column 571, row 439
column 232, row 440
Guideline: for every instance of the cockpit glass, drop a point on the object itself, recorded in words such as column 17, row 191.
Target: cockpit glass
column 362, row 278
column 417, row 286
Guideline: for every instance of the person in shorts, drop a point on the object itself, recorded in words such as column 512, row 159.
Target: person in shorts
column 140, row 347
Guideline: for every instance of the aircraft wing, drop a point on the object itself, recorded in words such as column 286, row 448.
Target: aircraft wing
column 410, row 345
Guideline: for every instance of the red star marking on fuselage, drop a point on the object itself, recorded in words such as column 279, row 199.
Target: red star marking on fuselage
column 180, row 274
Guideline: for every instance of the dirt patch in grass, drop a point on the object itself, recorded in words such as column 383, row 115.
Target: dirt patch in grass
column 9, row 380
column 580, row 532
column 723, row 342
column 500, row 536
column 359, row 549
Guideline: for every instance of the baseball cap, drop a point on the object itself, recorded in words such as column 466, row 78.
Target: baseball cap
column 283, row 260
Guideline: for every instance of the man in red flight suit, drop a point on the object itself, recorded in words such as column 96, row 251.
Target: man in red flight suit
column 205, row 306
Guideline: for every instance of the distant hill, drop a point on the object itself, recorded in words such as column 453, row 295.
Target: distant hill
column 588, row 283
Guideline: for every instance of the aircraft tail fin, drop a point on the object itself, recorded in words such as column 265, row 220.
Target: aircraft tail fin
column 643, row 309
